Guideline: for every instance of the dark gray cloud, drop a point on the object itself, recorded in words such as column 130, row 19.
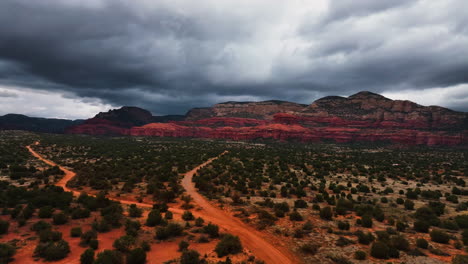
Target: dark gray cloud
column 169, row 56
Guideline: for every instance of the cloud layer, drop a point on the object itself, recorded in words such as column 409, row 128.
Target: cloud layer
column 169, row 56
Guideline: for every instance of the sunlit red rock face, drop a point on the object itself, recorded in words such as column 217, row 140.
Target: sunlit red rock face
column 361, row 117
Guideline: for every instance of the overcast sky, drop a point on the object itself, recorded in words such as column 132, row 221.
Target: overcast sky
column 74, row 58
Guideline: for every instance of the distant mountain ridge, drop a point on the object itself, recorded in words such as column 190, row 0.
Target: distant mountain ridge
column 364, row 116
column 36, row 124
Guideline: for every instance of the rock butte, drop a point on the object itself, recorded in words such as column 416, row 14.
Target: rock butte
column 364, row 116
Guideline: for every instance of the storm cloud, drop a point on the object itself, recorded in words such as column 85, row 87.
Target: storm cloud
column 169, row 56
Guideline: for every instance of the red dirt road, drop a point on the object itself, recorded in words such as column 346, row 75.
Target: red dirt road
column 251, row 238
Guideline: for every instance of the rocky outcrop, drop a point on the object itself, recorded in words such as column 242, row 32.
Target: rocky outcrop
column 363, row 117
column 258, row 110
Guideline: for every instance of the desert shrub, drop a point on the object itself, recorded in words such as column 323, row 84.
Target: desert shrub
column 421, row 226
column 132, row 227
column 399, row 242
column 364, row 238
column 188, row 216
column 145, row 246
column 343, row 241
column 109, row 257
column 450, row 225
column 212, row 230
column 422, row 243
column 462, row 221
column 439, row 236
column 229, row 244
column 360, row 255
column 75, row 232
column 134, row 211
column 7, row 251
column 190, row 257
column 465, row 237
column 94, row 244
column 59, row 218
column 460, row 259
column 199, row 222
column 101, row 226
column 171, row 230
column 168, row 215
column 326, row 213
column 40, row 225
column 400, row 226
column 300, row 204
column 46, row 211
column 310, row 248
column 87, row 257
column 124, row 243
column 53, row 250
column 87, row 236
column 295, row 216
column 78, row 213
column 183, row 245
column 49, row 235
column 409, row 205
column 307, row 226
column 4, row 225
column 379, row 250
column 427, row 214
column 366, row 221
column 154, row 218
column 136, row 256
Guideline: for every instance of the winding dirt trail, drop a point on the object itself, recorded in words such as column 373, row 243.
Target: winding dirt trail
column 251, row 238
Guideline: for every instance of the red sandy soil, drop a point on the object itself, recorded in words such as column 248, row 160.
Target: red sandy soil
column 252, row 239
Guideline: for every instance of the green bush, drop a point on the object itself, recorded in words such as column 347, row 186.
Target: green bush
column 52, row 251
column 399, row 242
column 46, row 212
column 364, row 238
column 7, row 251
column 439, row 236
column 295, row 216
column 366, row 221
column 326, row 213
column 75, row 232
column 87, row 257
column 40, row 225
column 188, row 216
column 109, row 257
column 4, row 225
column 183, row 245
column 190, row 257
column 460, row 259
column 154, row 218
column 87, row 236
column 379, row 250
column 136, row 256
column 462, row 221
column 343, row 225
column 212, row 230
column 465, row 237
column 229, row 244
column 59, row 218
column 360, row 255
column 422, row 243
column 300, row 204
column 134, row 211
column 171, row 230
column 421, row 226
column 124, row 243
